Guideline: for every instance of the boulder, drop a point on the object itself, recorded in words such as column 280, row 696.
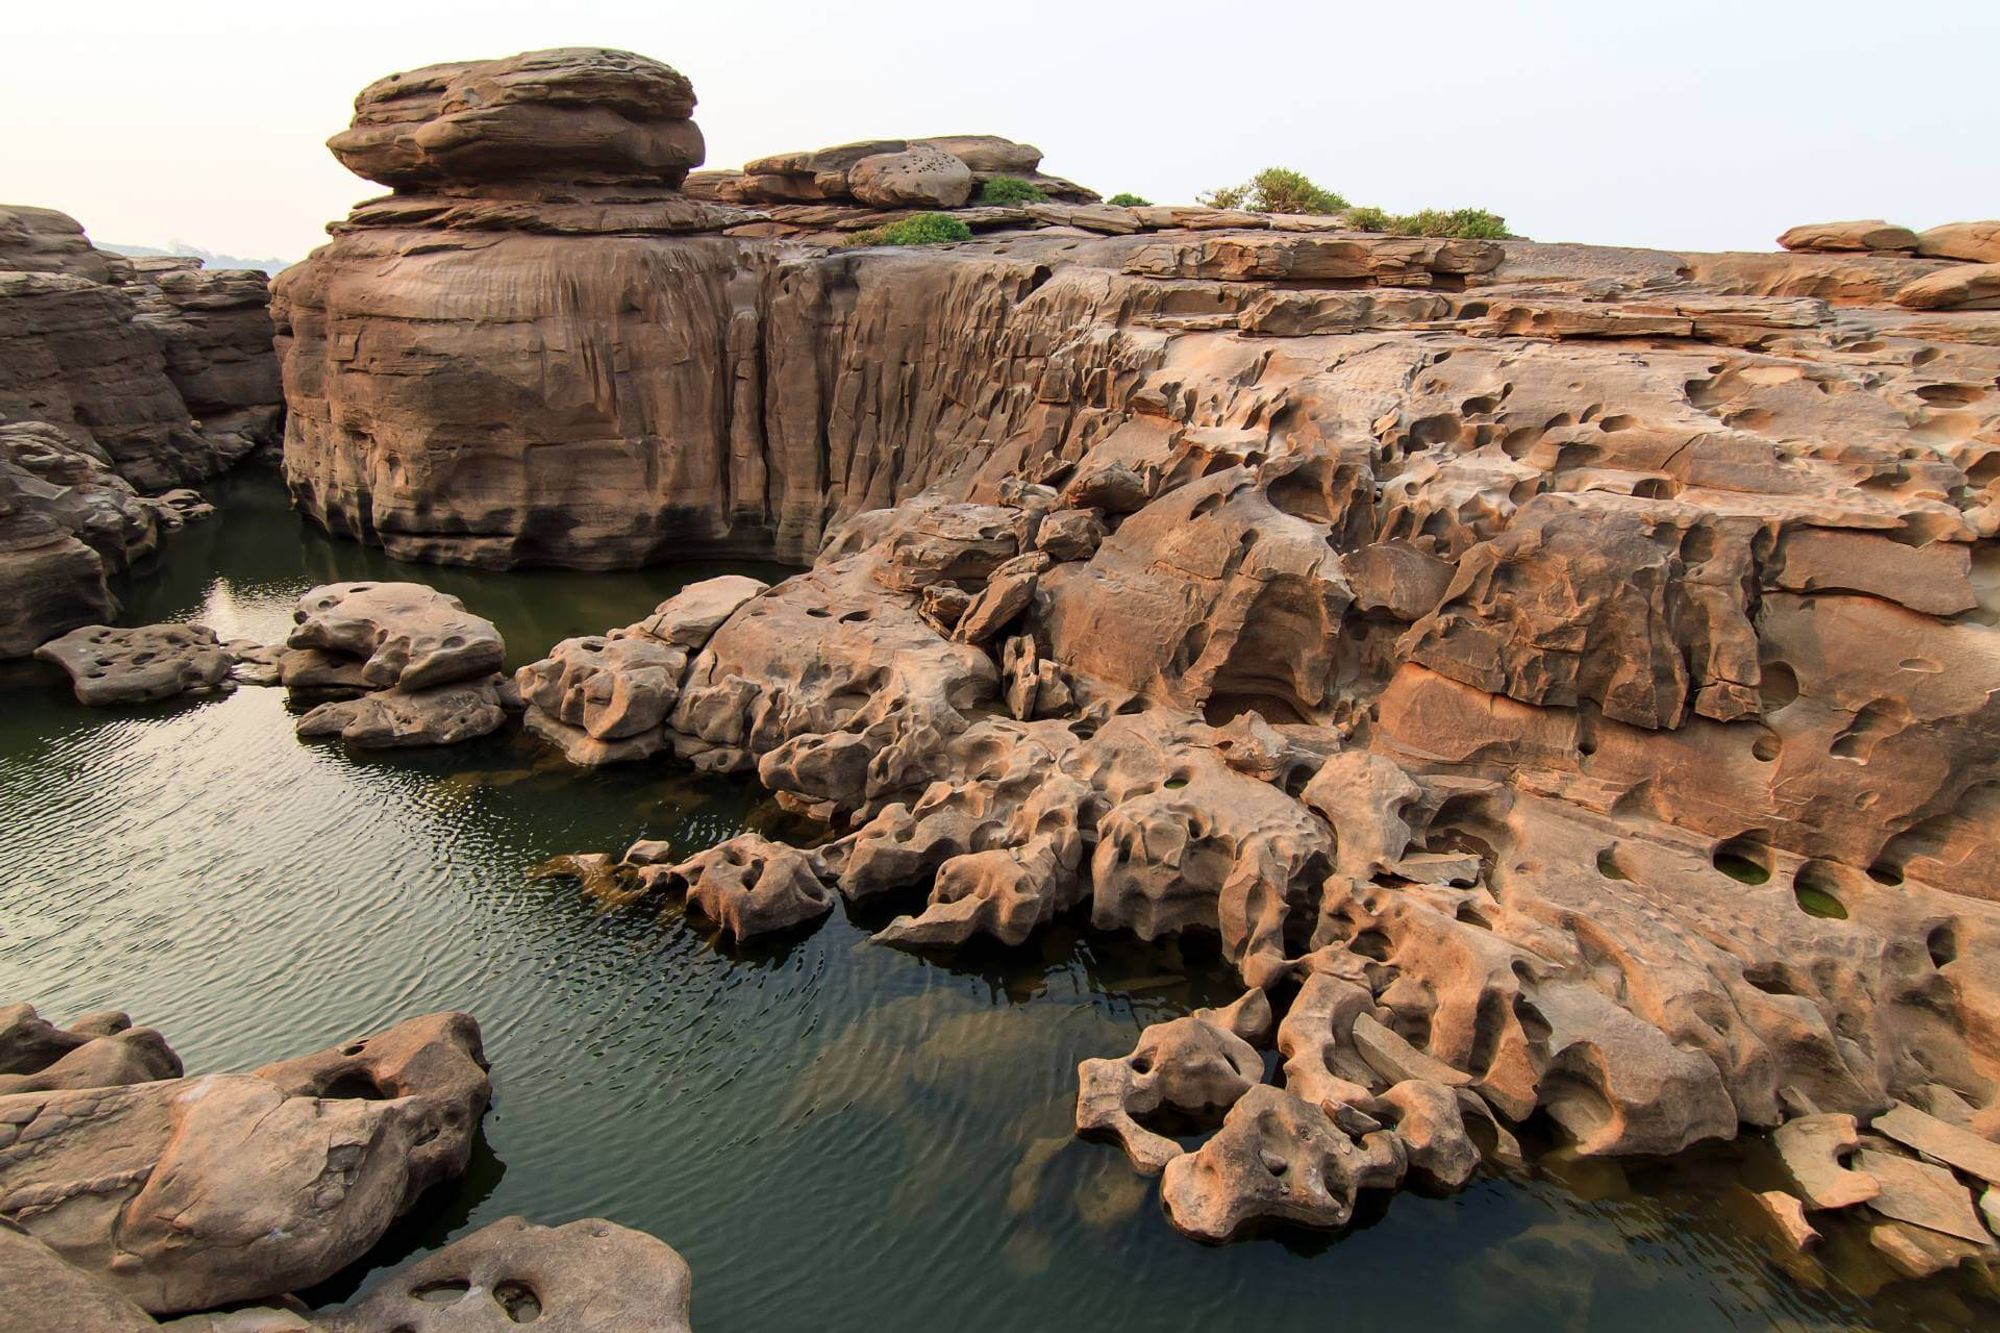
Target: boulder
column 918, row 177
column 588, row 1276
column 1872, row 235
column 115, row 1059
column 41, row 1291
column 1811, row 1149
column 145, row 664
column 1977, row 242
column 1276, row 1158
column 407, row 635
column 401, row 718
column 1961, row 287
column 566, row 114
column 184, row 1194
column 1198, row 1065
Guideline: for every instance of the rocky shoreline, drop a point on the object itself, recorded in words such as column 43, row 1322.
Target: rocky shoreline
column 1560, row 678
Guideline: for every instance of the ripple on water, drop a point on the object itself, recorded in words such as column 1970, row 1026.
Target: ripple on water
column 836, row 1135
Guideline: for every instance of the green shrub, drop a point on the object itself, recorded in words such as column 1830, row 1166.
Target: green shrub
column 1010, row 190
column 1472, row 224
column 1369, row 218
column 1126, row 199
column 1276, row 190
column 920, row 229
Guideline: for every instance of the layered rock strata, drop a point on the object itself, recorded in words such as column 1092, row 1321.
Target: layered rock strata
column 117, row 376
column 1560, row 677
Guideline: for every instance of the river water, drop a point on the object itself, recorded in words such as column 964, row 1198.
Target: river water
column 836, row 1135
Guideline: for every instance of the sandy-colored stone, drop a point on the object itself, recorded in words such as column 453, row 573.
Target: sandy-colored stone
column 1873, row 235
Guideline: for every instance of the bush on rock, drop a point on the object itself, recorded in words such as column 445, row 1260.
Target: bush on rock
column 1010, row 190
column 1126, row 199
column 920, row 229
column 1276, row 190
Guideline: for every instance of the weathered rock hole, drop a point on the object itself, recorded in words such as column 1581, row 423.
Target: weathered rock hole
column 1744, row 859
column 1617, row 423
column 1371, row 943
column 448, row 1289
column 1607, row 864
column 1779, row 686
column 1766, row 748
column 1942, row 944
column 356, row 1085
column 1952, row 395
column 1769, row 978
column 1813, row 885
column 519, row 1301
column 1886, row 872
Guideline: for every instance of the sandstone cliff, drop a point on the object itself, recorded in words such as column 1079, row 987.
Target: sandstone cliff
column 140, row 375
column 1573, row 667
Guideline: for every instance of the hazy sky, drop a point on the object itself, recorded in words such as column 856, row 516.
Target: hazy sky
column 1693, row 125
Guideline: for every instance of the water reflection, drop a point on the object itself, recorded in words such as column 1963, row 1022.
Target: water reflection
column 836, row 1135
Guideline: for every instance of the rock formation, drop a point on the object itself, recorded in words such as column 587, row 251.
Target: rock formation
column 414, row 666
column 589, row 1276
column 116, row 376
column 186, row 1193
column 1571, row 669
column 107, row 665
column 143, row 1191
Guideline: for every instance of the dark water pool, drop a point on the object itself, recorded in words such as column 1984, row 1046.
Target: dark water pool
column 837, row 1136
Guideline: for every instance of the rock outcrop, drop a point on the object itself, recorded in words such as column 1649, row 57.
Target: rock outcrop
column 187, row 1193
column 1562, row 678
column 166, row 368
column 117, row 376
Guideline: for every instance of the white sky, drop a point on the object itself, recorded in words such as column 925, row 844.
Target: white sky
column 1697, row 124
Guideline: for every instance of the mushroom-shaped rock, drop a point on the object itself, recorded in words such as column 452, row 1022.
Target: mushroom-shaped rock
column 749, row 885
column 408, row 635
column 1275, row 1158
column 917, row 177
column 1869, row 235
column 568, row 114
column 590, row 1276
column 144, row 664
column 1197, row 1065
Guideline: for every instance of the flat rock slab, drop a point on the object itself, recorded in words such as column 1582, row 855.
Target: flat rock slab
column 1947, row 1143
column 1922, row 1195
column 138, row 665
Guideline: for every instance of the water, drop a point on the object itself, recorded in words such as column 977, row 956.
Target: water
column 836, row 1135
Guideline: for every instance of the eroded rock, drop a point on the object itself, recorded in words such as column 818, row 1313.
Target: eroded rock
column 109, row 665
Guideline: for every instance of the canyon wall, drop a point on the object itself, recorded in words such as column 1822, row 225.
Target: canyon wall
column 1577, row 662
